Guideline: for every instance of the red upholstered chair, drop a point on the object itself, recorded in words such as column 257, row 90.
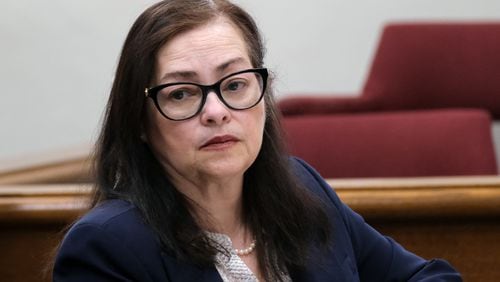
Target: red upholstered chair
column 423, row 66
column 397, row 144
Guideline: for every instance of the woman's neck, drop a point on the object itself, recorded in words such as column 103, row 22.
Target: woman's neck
column 218, row 206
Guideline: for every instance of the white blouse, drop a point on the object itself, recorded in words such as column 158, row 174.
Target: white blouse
column 232, row 268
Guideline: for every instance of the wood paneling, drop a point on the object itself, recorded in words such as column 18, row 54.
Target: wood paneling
column 32, row 218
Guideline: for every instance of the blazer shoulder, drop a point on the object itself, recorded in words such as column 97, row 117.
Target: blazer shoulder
column 107, row 212
column 116, row 231
column 120, row 219
column 375, row 256
column 313, row 181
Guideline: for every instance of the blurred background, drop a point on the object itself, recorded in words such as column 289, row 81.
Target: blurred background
column 57, row 57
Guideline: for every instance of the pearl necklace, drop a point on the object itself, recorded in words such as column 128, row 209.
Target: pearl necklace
column 244, row 252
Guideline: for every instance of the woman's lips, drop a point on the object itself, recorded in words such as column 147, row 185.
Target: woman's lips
column 219, row 142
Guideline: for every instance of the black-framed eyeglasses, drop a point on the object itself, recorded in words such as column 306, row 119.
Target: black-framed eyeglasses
column 183, row 100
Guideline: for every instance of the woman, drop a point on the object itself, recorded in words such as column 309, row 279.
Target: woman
column 192, row 180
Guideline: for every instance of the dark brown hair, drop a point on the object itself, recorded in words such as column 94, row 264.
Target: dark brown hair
column 284, row 218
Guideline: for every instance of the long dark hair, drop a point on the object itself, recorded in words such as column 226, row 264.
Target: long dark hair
column 283, row 217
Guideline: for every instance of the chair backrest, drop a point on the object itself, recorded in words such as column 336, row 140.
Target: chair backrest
column 397, row 144
column 436, row 65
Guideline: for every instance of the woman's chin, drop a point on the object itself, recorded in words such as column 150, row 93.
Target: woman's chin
column 225, row 168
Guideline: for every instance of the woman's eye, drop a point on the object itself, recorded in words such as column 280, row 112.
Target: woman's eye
column 178, row 95
column 183, row 94
column 235, row 85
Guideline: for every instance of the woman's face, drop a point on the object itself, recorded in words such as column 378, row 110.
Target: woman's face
column 218, row 144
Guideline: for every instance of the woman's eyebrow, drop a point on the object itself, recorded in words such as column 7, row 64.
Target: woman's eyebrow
column 222, row 67
column 178, row 75
column 191, row 75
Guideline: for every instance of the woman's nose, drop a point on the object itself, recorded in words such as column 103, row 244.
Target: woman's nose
column 214, row 111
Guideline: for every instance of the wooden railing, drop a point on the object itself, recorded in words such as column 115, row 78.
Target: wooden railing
column 456, row 218
column 423, row 197
column 65, row 166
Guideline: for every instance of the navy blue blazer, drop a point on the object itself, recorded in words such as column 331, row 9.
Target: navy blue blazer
column 112, row 243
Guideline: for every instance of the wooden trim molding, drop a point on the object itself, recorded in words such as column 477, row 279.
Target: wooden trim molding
column 64, row 165
column 405, row 198
column 42, row 204
column 64, row 171
column 376, row 199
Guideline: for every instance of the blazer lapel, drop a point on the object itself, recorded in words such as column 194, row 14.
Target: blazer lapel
column 331, row 267
column 183, row 271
